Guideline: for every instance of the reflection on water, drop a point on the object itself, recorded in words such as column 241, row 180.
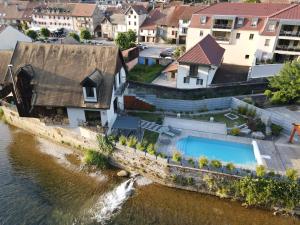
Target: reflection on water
column 35, row 189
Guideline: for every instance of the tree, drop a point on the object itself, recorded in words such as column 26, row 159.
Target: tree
column 285, row 87
column 131, row 36
column 24, row 26
column 45, row 32
column 32, row 34
column 75, row 36
column 126, row 40
column 85, row 35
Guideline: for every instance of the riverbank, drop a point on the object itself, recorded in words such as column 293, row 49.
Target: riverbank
column 153, row 167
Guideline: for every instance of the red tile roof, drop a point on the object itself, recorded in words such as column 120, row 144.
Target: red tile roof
column 206, row 52
column 152, row 18
column 291, row 13
column 84, row 9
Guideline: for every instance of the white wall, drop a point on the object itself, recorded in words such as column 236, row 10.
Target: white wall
column 75, row 115
column 206, row 73
column 9, row 37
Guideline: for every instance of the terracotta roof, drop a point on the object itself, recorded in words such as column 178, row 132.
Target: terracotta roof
column 59, row 70
column 153, row 16
column 5, row 57
column 170, row 68
column 84, row 9
column 291, row 13
column 189, row 11
column 13, row 10
column 205, row 52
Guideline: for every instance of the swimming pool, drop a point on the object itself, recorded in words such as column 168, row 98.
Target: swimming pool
column 225, row 151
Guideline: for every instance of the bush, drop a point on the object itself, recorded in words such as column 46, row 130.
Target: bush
column 203, row 161
column 162, row 155
column 32, row 34
column 216, row 164
column 256, row 125
column 190, row 181
column 92, row 157
column 177, row 156
column 140, row 146
column 122, row 140
column 291, row 174
column 242, row 110
column 248, row 100
column 151, row 149
column 235, row 131
column 131, row 141
column 276, row 129
column 45, row 32
column 75, row 36
column 85, row 34
column 260, row 171
column 251, row 113
column 191, row 162
column 230, row 166
column 105, row 144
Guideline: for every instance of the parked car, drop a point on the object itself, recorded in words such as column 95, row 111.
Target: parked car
column 142, row 46
column 167, row 53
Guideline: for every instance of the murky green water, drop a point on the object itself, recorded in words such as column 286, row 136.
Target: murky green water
column 36, row 189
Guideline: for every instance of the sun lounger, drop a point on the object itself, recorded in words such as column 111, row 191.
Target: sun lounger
column 165, row 141
column 175, row 131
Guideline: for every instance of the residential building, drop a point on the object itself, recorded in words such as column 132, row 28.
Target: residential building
column 111, row 26
column 9, row 37
column 76, row 85
column 198, row 65
column 134, row 17
column 249, row 32
column 70, row 16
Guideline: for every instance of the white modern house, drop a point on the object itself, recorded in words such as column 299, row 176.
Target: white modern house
column 197, row 67
column 9, row 37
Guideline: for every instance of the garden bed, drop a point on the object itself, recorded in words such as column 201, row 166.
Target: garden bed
column 145, row 74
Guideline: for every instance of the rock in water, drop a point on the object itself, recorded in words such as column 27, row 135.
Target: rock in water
column 122, row 173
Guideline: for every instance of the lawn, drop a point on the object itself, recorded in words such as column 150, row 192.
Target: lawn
column 150, row 136
column 145, row 74
column 220, row 118
column 152, row 117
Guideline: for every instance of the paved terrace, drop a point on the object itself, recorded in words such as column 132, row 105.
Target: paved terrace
column 277, row 155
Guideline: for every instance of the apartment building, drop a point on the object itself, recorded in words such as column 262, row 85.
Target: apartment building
column 70, row 16
column 135, row 15
column 249, row 33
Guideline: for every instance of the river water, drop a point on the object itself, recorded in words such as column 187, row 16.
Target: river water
column 36, row 189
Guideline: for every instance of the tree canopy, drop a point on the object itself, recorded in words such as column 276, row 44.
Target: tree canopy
column 45, row 32
column 32, row 34
column 85, row 34
column 75, row 36
column 285, row 87
column 126, row 40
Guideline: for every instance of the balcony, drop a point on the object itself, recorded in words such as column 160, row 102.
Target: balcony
column 222, row 24
column 287, row 48
column 221, row 37
column 289, row 31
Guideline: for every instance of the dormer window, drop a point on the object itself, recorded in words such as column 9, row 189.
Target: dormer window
column 254, row 22
column 240, row 21
column 203, row 19
column 91, row 86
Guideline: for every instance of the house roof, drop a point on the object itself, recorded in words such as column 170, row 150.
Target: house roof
column 13, row 10
column 84, row 9
column 292, row 13
column 139, row 9
column 171, row 67
column 117, row 18
column 205, row 52
column 58, row 71
column 153, row 16
column 5, row 57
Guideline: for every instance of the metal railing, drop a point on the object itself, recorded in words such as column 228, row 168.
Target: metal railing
column 287, row 48
column 220, row 38
column 289, row 33
column 222, row 26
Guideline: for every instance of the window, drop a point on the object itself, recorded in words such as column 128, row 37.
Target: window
column 89, row 94
column 254, row 22
column 251, row 36
column 240, row 21
column 238, row 35
column 186, row 80
column 193, row 70
column 129, row 23
column 203, row 19
column 201, row 33
column 128, row 16
column 267, row 42
column 93, row 117
column 134, row 17
column 246, row 56
column 131, row 12
column 271, row 27
column 199, row 81
column 134, row 23
column 141, row 30
column 296, row 43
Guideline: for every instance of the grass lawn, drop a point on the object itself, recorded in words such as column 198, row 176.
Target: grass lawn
column 152, row 117
column 221, row 118
column 150, row 137
column 145, row 74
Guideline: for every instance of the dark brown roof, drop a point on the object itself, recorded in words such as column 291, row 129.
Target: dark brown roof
column 206, row 52
column 5, row 57
column 58, row 71
column 152, row 18
column 139, row 9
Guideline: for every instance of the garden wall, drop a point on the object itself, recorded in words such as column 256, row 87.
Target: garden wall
column 275, row 118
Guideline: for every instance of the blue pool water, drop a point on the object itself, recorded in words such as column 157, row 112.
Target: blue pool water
column 225, row 151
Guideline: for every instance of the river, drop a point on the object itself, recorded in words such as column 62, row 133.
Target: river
column 36, row 189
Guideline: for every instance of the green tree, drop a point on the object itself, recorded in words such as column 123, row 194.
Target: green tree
column 126, row 40
column 32, row 34
column 75, row 36
column 85, row 34
column 131, row 36
column 292, row 174
column 45, row 32
column 260, row 171
column 285, row 87
column 24, row 26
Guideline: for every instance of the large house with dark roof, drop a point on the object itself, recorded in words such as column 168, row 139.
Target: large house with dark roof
column 197, row 67
column 249, row 32
column 78, row 85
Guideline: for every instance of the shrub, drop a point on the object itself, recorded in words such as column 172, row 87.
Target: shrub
column 291, row 174
column 235, row 131
column 105, row 144
column 242, row 110
column 75, row 36
column 203, row 161
column 1, row 112
column 131, row 141
column 276, row 129
column 122, row 140
column 190, row 181
column 92, row 157
column 45, row 32
column 85, row 34
column 140, row 146
column 230, row 166
column 162, row 155
column 260, row 171
column 191, row 162
column 256, row 125
column 248, row 100
column 151, row 149
column 177, row 156
column 216, row 163
column 32, row 34
column 251, row 113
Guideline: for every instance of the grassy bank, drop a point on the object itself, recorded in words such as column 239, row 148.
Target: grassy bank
column 145, row 74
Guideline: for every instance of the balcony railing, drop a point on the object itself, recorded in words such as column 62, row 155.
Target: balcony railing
column 222, row 26
column 287, row 48
column 221, row 38
column 289, row 33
